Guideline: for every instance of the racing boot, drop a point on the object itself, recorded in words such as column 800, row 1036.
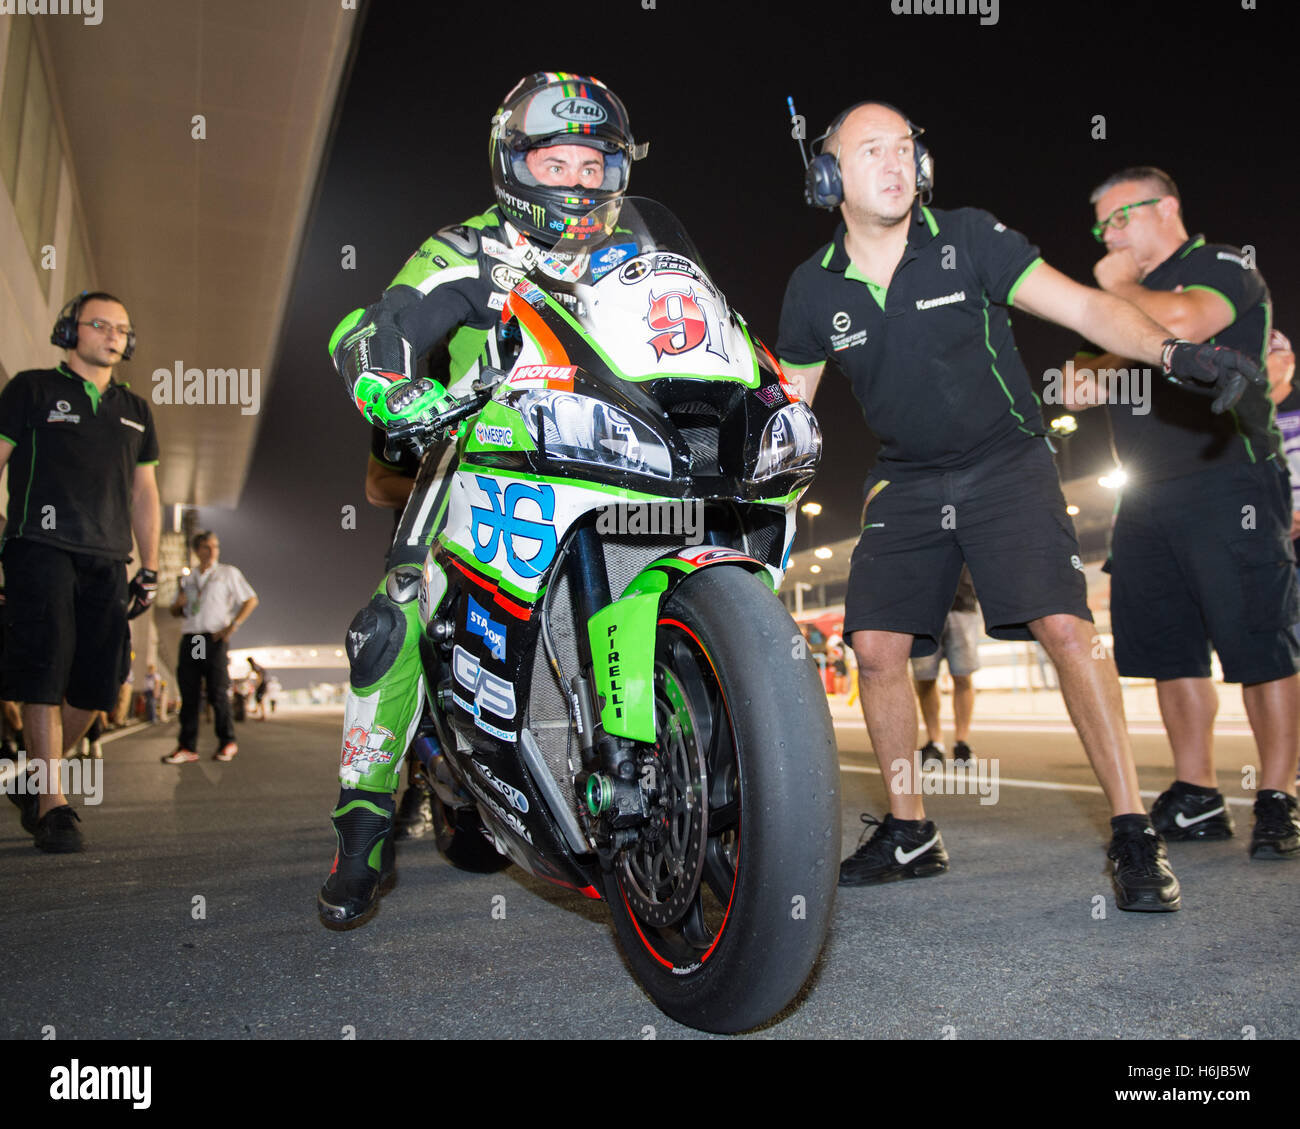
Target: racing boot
column 364, row 863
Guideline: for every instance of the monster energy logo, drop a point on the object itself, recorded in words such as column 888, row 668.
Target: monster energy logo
column 539, row 213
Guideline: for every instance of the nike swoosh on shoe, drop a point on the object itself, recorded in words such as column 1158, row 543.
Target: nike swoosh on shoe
column 1183, row 821
column 904, row 857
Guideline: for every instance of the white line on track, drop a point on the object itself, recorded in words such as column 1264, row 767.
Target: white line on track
column 1014, row 782
column 1013, row 725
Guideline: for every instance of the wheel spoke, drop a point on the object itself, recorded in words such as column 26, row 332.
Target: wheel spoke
column 724, row 817
column 718, row 871
column 693, row 927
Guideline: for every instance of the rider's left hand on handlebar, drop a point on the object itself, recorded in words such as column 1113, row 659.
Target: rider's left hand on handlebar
column 409, row 402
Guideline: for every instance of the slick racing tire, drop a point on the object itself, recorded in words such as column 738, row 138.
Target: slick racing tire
column 463, row 841
column 722, row 907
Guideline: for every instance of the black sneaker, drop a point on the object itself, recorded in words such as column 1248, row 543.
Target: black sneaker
column 1182, row 816
column 414, row 819
column 1277, row 827
column 961, row 754
column 364, row 866
column 28, row 803
column 1141, row 873
column 894, row 852
column 932, row 751
column 57, row 831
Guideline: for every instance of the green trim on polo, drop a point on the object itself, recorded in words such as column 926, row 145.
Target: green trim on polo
column 1011, row 402
column 1011, row 294
column 878, row 292
column 27, row 494
column 930, row 221
column 11, row 442
column 1199, row 241
column 830, row 251
column 1231, row 305
column 91, row 390
column 151, row 462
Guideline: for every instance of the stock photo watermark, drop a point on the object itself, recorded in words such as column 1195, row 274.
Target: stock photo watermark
column 979, row 778
column 1086, row 388
column 214, row 386
column 673, row 518
column 78, row 777
column 90, row 11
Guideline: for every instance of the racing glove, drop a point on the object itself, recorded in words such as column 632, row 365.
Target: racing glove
column 390, row 401
column 1210, row 370
column 140, row 592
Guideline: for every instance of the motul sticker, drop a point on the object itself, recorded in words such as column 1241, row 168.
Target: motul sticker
column 558, row 377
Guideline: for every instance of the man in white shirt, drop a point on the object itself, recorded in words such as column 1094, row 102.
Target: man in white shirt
column 214, row 599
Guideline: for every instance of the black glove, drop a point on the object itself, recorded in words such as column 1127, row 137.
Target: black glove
column 1210, row 370
column 140, row 592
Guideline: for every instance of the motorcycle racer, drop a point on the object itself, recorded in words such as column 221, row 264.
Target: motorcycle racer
column 560, row 146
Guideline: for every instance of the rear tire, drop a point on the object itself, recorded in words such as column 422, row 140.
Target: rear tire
column 463, row 841
column 723, row 908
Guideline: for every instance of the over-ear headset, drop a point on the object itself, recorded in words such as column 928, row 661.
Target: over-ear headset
column 823, row 186
column 64, row 334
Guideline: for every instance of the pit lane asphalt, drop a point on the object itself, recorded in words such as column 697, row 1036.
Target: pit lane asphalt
column 108, row 944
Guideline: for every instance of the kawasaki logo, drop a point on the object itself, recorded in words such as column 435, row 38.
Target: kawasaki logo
column 946, row 300
column 580, row 110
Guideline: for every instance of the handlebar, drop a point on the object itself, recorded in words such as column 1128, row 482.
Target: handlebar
column 419, row 433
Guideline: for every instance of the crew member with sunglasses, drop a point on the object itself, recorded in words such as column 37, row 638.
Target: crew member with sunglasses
column 1201, row 552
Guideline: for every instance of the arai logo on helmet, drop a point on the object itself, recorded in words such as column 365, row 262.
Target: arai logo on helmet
column 580, row 110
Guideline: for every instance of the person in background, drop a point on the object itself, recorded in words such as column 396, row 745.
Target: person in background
column 960, row 646
column 214, row 599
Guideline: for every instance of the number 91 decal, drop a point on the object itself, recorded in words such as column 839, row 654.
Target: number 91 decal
column 681, row 321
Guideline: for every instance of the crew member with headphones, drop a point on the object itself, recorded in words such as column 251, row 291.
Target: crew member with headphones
column 81, row 450
column 911, row 303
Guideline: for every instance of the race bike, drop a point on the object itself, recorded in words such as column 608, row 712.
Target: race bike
column 624, row 706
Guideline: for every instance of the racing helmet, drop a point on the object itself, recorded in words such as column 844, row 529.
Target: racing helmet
column 554, row 108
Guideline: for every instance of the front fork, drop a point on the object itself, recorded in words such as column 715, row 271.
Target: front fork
column 610, row 781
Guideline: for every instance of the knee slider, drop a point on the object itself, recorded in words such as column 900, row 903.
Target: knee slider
column 374, row 640
column 403, row 584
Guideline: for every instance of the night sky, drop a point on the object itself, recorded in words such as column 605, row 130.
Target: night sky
column 1007, row 110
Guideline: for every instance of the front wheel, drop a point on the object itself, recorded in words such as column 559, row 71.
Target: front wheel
column 722, row 904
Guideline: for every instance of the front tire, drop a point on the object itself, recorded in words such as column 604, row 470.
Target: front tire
column 722, row 905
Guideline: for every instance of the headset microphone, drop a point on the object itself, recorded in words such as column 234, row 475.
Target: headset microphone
column 797, row 132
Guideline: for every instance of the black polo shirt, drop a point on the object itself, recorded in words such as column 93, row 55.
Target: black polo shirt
column 1180, row 435
column 73, row 464
column 931, row 358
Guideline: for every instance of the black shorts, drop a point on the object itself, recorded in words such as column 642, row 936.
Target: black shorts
column 1206, row 560
column 65, row 626
column 1004, row 517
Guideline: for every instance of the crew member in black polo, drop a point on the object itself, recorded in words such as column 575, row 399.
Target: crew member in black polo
column 1201, row 551
column 81, row 451
column 911, row 304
